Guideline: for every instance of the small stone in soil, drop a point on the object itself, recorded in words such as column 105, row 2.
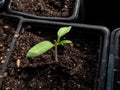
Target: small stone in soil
column 18, row 63
column 6, row 27
column 3, row 61
column 7, row 88
column 5, row 74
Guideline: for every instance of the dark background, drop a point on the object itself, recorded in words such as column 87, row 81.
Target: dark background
column 102, row 12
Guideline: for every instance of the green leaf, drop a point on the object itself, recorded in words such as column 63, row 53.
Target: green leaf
column 62, row 31
column 63, row 42
column 40, row 48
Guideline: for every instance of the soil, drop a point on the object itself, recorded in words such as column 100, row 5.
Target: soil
column 7, row 31
column 76, row 69
column 48, row 8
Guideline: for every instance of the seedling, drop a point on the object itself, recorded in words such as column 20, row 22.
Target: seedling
column 44, row 46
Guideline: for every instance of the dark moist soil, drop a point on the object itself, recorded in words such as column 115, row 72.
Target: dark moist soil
column 49, row 8
column 7, row 31
column 76, row 70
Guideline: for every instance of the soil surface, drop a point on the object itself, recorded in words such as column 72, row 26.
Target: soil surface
column 76, row 69
column 7, row 31
column 49, row 8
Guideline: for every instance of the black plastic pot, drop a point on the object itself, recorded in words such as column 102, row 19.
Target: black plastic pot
column 16, row 20
column 89, row 31
column 73, row 16
column 2, row 3
column 113, row 73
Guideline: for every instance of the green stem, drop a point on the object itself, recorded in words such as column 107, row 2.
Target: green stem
column 56, row 57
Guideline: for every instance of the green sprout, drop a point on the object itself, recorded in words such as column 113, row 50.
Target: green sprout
column 44, row 46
